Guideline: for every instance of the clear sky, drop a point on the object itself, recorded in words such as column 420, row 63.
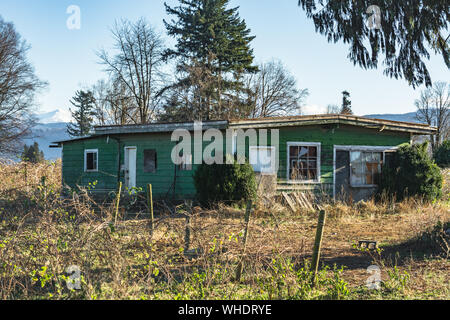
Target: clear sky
column 67, row 60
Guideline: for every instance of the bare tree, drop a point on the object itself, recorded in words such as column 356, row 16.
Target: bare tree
column 18, row 85
column 433, row 108
column 137, row 64
column 113, row 103
column 333, row 109
column 274, row 92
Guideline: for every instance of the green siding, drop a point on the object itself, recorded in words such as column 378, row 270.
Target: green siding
column 162, row 180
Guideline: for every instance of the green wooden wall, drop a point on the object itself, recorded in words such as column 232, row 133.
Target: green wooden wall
column 162, row 180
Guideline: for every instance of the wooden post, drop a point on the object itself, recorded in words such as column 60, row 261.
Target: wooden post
column 150, row 205
column 187, row 235
column 117, row 202
column 240, row 267
column 317, row 245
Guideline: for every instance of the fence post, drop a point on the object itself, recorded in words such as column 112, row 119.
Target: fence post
column 187, row 235
column 240, row 267
column 317, row 245
column 117, row 202
column 150, row 205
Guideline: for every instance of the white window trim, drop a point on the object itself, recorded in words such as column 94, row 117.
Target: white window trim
column 350, row 148
column 362, row 186
column 85, row 159
column 319, row 156
column 273, row 156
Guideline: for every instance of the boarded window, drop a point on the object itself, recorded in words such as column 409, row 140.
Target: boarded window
column 90, row 160
column 365, row 167
column 303, row 163
column 150, row 161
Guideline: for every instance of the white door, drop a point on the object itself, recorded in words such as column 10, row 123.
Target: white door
column 130, row 167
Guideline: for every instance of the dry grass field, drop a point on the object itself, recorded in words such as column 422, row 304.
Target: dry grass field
column 43, row 234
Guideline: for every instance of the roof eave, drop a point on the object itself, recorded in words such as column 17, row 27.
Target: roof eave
column 315, row 120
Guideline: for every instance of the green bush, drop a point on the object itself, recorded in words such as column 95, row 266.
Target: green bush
column 412, row 173
column 227, row 182
column 442, row 155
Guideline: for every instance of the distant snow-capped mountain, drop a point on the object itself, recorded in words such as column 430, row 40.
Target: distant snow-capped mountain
column 55, row 116
column 51, row 127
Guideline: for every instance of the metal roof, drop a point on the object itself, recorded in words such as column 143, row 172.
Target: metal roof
column 380, row 124
column 158, row 127
column 273, row 122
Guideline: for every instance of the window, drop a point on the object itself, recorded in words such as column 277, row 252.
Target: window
column 365, row 168
column 304, row 162
column 150, row 161
column 263, row 159
column 186, row 164
column 91, row 160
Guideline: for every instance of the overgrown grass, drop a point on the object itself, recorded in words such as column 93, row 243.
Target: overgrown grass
column 43, row 234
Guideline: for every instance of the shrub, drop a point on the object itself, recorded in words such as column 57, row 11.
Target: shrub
column 412, row 173
column 227, row 182
column 442, row 155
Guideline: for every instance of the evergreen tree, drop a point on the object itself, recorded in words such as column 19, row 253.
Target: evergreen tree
column 212, row 51
column 84, row 104
column 403, row 32
column 346, row 104
column 32, row 153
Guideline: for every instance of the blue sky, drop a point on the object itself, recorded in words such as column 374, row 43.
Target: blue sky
column 66, row 58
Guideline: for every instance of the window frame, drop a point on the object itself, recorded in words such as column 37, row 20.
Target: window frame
column 350, row 165
column 318, row 145
column 86, row 151
column 272, row 154
column 336, row 147
column 156, row 161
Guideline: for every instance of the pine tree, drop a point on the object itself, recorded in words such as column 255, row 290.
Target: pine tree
column 346, row 104
column 216, row 41
column 84, row 103
column 32, row 153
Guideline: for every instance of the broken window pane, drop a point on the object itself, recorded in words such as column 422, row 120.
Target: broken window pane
column 365, row 168
column 303, row 163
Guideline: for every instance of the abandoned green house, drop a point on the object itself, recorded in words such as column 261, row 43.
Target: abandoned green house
column 336, row 154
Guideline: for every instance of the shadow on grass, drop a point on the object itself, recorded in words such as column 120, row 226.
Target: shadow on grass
column 431, row 243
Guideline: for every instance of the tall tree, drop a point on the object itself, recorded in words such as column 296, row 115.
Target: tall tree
column 433, row 108
column 403, row 32
column 137, row 64
column 274, row 91
column 113, row 103
column 83, row 115
column 214, row 41
column 18, row 85
column 346, row 103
